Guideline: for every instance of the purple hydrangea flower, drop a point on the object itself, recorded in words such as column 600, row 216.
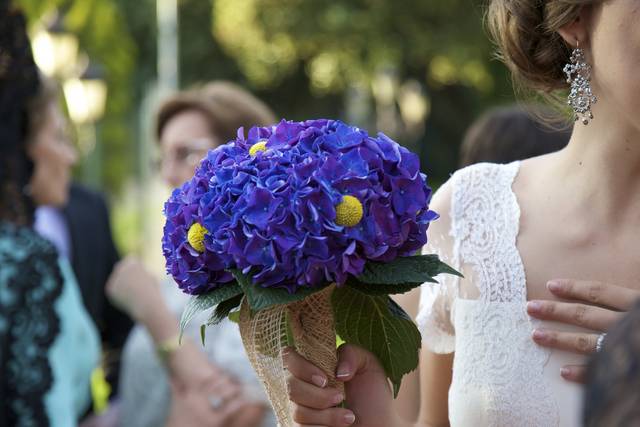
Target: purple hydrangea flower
column 271, row 211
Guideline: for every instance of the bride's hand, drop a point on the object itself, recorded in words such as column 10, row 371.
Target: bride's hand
column 368, row 395
column 605, row 304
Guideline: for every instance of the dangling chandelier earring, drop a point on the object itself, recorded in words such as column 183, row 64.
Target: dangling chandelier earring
column 581, row 98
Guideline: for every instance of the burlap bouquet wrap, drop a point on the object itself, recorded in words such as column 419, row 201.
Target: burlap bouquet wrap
column 264, row 337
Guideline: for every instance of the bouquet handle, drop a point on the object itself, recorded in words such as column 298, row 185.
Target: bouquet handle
column 264, row 336
column 313, row 329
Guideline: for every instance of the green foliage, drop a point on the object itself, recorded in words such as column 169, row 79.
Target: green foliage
column 200, row 303
column 413, row 269
column 379, row 325
column 234, row 316
column 382, row 288
column 307, row 56
column 348, row 40
column 288, row 332
column 260, row 298
column 224, row 309
column 400, row 275
column 203, row 333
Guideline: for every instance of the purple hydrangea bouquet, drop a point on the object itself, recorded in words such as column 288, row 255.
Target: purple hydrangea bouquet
column 300, row 232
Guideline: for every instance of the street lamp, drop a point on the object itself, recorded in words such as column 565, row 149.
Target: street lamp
column 55, row 50
column 86, row 95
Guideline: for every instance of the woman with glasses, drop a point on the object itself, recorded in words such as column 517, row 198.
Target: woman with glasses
column 163, row 383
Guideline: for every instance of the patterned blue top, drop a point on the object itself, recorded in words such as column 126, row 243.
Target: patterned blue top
column 48, row 343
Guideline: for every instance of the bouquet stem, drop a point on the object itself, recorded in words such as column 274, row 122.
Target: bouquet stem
column 264, row 337
column 313, row 329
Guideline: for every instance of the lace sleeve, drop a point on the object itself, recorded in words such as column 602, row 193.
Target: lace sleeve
column 436, row 299
column 30, row 282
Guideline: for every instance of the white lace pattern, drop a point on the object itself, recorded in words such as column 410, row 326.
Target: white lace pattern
column 498, row 370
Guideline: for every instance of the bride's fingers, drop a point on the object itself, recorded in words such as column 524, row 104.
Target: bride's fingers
column 353, row 360
column 574, row 373
column 574, row 342
column 604, row 294
column 334, row 417
column 586, row 316
column 302, row 369
column 308, row 395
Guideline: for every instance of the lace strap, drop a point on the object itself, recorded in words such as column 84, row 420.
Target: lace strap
column 485, row 223
column 30, row 282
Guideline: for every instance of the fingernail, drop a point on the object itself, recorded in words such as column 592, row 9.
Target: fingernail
column 319, row 380
column 565, row 372
column 554, row 286
column 539, row 335
column 343, row 371
column 337, row 399
column 534, row 307
column 349, row 418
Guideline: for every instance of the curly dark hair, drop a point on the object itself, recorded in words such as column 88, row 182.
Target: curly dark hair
column 19, row 86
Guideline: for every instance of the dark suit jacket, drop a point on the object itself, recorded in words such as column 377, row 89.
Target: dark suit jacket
column 93, row 257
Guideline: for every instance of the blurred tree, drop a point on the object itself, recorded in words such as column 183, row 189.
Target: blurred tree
column 354, row 43
column 306, row 58
column 350, row 40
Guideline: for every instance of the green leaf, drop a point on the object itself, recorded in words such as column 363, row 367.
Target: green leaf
column 200, row 303
column 379, row 325
column 291, row 341
column 381, row 288
column 224, row 309
column 260, row 298
column 405, row 270
column 203, row 330
column 234, row 316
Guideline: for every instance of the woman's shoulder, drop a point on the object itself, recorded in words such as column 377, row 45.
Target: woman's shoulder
column 483, row 175
column 473, row 184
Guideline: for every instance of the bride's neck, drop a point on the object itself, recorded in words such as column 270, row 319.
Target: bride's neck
column 602, row 161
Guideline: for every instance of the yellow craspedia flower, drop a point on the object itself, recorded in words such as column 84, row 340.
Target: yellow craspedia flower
column 258, row 146
column 195, row 236
column 349, row 211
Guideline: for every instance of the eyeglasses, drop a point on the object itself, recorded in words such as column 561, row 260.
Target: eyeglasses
column 188, row 153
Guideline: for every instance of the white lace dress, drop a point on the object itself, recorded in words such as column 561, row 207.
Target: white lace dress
column 500, row 376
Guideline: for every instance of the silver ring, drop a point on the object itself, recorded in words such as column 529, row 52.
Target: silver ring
column 215, row 401
column 600, row 342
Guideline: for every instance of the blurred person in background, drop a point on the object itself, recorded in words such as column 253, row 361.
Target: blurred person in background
column 515, row 132
column 48, row 343
column 92, row 260
column 163, row 383
column 500, row 135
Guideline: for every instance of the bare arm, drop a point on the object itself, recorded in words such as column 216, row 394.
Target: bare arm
column 137, row 292
column 407, row 404
column 433, row 384
column 435, row 380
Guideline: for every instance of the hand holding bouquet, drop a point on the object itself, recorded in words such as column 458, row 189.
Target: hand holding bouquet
column 301, row 231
